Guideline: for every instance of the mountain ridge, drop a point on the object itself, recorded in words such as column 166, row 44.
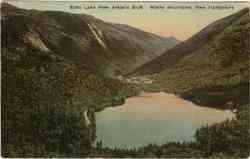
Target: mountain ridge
column 173, row 55
column 110, row 48
column 48, row 98
column 215, row 73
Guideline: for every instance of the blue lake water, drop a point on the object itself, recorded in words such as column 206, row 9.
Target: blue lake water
column 154, row 118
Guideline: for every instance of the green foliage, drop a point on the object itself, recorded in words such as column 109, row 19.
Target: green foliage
column 43, row 100
column 45, row 94
column 215, row 74
column 233, row 45
column 230, row 138
column 39, row 104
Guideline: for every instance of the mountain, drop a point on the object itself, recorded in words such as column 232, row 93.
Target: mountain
column 196, row 44
column 104, row 47
column 211, row 68
column 49, row 91
column 57, row 70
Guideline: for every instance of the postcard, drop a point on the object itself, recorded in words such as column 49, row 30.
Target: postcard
column 133, row 79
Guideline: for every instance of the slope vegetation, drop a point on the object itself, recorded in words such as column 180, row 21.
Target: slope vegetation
column 48, row 98
column 216, row 74
column 196, row 43
column 106, row 48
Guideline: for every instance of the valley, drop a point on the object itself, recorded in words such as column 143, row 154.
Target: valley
column 77, row 86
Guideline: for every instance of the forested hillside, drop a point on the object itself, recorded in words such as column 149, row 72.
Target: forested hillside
column 58, row 69
column 216, row 74
column 195, row 44
column 106, row 48
column 48, row 100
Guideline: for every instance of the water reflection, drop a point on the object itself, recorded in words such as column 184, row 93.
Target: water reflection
column 154, row 118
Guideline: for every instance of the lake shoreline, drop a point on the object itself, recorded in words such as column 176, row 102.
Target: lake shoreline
column 184, row 97
column 148, row 113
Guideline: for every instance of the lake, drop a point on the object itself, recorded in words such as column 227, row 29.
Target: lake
column 154, row 118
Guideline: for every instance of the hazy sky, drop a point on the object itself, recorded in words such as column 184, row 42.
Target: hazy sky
column 180, row 23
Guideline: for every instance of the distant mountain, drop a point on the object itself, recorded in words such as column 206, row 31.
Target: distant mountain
column 195, row 44
column 104, row 47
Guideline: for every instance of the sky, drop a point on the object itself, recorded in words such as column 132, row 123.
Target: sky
column 180, row 23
